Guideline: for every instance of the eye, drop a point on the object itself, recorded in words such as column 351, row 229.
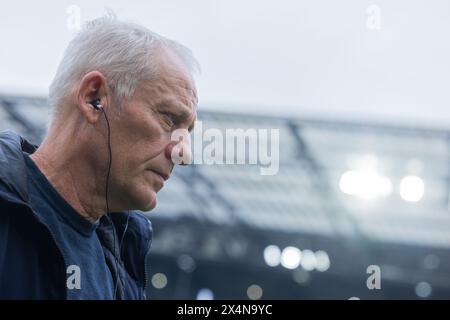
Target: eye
column 170, row 118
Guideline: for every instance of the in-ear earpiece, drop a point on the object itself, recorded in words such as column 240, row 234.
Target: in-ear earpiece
column 97, row 104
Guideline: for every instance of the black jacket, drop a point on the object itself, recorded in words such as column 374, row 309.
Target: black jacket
column 31, row 264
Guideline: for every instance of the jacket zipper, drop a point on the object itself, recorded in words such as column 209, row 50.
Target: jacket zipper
column 146, row 272
column 145, row 260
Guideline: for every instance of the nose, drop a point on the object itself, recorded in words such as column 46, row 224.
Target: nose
column 179, row 149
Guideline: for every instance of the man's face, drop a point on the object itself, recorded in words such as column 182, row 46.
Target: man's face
column 141, row 135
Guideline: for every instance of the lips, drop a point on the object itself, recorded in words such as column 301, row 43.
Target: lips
column 161, row 174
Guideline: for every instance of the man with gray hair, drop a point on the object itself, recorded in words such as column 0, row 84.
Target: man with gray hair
column 67, row 225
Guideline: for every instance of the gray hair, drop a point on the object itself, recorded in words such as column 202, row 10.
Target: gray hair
column 122, row 51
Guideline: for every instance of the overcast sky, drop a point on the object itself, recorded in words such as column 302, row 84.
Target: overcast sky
column 383, row 61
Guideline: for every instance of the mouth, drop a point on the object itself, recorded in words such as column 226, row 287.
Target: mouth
column 163, row 176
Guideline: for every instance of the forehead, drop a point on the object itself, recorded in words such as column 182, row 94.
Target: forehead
column 174, row 82
column 171, row 89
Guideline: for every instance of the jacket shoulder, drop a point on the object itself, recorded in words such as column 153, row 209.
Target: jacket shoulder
column 13, row 178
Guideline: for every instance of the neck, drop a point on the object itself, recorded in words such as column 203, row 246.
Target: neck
column 67, row 167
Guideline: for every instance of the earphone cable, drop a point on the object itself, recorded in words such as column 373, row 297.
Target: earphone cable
column 118, row 278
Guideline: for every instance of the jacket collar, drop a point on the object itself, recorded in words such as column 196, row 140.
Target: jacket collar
column 13, row 178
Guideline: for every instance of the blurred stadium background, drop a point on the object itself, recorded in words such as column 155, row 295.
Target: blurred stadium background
column 348, row 195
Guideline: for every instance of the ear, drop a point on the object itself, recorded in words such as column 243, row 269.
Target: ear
column 92, row 86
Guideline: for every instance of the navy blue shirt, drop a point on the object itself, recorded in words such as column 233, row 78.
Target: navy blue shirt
column 88, row 276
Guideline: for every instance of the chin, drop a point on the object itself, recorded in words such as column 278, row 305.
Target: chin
column 140, row 197
column 148, row 201
column 150, row 206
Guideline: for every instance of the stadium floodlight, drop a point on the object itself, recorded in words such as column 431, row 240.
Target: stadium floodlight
column 322, row 261
column 309, row 261
column 412, row 188
column 291, row 257
column 365, row 184
column 272, row 255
